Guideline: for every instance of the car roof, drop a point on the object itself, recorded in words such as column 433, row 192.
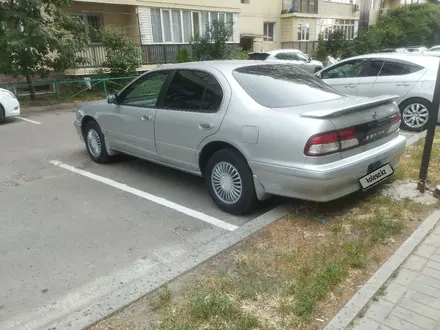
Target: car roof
column 419, row 59
column 228, row 65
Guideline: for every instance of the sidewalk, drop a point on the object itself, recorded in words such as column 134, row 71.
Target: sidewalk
column 411, row 300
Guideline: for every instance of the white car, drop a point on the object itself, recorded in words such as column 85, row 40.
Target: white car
column 9, row 105
column 435, row 48
column 293, row 56
column 409, row 76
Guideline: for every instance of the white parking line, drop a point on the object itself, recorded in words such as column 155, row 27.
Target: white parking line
column 29, row 120
column 159, row 200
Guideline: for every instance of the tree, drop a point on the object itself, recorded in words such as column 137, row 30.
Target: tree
column 183, row 56
column 404, row 26
column 37, row 36
column 212, row 45
column 122, row 56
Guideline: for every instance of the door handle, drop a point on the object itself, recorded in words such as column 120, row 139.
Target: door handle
column 147, row 117
column 350, row 86
column 403, row 84
column 206, row 125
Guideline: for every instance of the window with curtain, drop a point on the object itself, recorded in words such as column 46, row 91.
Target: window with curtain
column 156, row 25
column 303, row 32
column 180, row 26
column 187, row 33
column 177, row 26
column 269, row 31
column 166, row 26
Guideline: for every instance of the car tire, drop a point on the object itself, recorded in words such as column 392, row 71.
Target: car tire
column 230, row 182
column 95, row 143
column 412, row 110
column 2, row 114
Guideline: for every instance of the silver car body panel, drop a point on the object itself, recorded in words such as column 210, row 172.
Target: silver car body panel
column 419, row 84
column 271, row 140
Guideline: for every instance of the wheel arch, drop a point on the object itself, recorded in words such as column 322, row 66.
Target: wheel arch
column 85, row 120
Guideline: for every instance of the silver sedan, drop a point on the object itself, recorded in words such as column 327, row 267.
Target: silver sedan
column 252, row 129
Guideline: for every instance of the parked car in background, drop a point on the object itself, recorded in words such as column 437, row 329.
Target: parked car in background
column 410, row 76
column 418, row 49
column 393, row 50
column 434, row 48
column 293, row 56
column 9, row 105
column 252, row 129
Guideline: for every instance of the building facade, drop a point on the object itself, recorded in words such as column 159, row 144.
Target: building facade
column 163, row 27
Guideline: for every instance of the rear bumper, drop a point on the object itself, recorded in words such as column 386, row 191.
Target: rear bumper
column 322, row 183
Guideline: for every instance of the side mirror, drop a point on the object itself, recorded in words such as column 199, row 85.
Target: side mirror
column 112, row 98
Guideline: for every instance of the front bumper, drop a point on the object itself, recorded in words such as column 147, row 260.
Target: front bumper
column 77, row 125
column 12, row 108
column 323, row 183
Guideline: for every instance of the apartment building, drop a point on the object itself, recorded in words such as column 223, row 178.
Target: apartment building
column 267, row 24
column 163, row 27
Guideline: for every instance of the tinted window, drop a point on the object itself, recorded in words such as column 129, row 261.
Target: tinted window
column 258, row 56
column 280, row 85
column 374, row 68
column 194, row 91
column 351, row 69
column 287, row 56
column 144, row 92
column 398, row 68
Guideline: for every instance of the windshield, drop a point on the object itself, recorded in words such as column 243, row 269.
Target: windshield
column 282, row 85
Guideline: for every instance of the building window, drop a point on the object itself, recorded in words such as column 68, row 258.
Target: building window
column 94, row 25
column 269, row 31
column 180, row 26
column 303, row 32
column 305, row 6
column 328, row 25
column 348, row 2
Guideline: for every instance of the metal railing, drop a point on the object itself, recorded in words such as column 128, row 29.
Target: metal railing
column 151, row 54
column 307, row 47
column 48, row 92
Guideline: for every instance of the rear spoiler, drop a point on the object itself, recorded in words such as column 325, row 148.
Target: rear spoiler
column 338, row 111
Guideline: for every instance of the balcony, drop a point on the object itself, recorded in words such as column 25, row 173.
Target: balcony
column 151, row 54
column 300, row 6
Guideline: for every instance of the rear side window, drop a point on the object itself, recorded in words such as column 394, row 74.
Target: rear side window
column 258, row 56
column 398, row 68
column 193, row 90
column 281, row 86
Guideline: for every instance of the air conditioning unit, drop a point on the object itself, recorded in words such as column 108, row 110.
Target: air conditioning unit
column 355, row 8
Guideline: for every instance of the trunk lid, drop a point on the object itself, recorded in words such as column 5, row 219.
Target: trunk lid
column 371, row 118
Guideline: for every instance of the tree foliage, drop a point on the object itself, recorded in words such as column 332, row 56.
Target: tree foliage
column 182, row 56
column 37, row 36
column 213, row 44
column 122, row 56
column 404, row 26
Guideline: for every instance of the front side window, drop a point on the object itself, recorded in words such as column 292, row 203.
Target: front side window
column 374, row 68
column 351, row 69
column 282, row 86
column 145, row 91
column 193, row 90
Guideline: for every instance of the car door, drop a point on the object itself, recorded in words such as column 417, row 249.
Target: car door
column 193, row 108
column 345, row 76
column 366, row 83
column 130, row 126
column 397, row 77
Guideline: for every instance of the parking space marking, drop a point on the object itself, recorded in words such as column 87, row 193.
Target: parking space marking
column 158, row 200
column 29, row 120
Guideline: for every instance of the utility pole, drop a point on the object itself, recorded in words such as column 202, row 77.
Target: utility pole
column 429, row 140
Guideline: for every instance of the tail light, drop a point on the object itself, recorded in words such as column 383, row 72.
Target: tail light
column 395, row 123
column 331, row 142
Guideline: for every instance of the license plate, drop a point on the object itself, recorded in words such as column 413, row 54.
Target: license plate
column 376, row 176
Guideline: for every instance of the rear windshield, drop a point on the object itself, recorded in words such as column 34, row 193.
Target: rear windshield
column 258, row 56
column 282, row 86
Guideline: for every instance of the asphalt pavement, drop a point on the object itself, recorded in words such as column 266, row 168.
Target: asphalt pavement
column 73, row 231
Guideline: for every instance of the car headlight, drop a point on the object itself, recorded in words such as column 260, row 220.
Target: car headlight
column 79, row 115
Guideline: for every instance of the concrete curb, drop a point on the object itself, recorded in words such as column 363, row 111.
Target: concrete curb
column 353, row 307
column 112, row 303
